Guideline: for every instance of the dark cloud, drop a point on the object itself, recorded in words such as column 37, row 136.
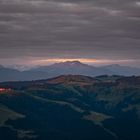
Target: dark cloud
column 103, row 29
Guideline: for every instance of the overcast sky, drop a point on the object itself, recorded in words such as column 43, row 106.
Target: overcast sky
column 38, row 31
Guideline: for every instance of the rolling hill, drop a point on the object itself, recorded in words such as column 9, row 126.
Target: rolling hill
column 71, row 107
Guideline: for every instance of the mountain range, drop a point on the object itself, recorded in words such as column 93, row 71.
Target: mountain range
column 62, row 68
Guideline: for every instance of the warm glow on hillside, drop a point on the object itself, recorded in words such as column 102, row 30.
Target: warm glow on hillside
column 2, row 89
column 5, row 90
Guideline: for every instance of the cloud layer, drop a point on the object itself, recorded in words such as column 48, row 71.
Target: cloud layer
column 100, row 29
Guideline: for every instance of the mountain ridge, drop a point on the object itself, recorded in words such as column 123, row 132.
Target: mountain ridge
column 65, row 68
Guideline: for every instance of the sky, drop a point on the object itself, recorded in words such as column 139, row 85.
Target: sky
column 99, row 32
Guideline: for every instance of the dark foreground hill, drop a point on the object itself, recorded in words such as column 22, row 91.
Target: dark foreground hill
column 71, row 107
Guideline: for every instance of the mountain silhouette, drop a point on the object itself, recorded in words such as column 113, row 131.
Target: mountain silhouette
column 65, row 68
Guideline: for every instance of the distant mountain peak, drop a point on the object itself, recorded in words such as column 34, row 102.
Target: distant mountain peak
column 73, row 62
column 70, row 63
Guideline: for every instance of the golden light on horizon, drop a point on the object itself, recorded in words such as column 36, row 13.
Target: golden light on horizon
column 82, row 60
column 59, row 60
